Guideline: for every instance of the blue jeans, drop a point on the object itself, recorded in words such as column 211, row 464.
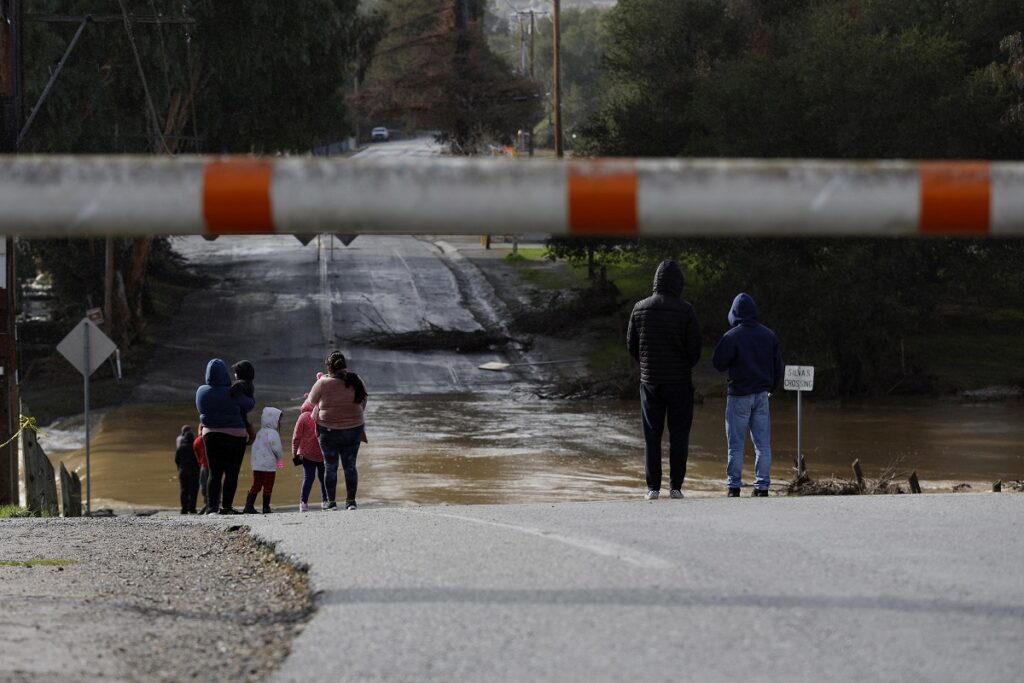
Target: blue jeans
column 340, row 445
column 311, row 471
column 660, row 403
column 743, row 414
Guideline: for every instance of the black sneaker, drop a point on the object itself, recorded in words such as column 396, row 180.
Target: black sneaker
column 759, row 493
column 229, row 511
column 350, row 505
column 734, row 493
column 331, row 506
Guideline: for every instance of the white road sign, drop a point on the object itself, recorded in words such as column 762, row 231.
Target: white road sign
column 72, row 347
column 799, row 378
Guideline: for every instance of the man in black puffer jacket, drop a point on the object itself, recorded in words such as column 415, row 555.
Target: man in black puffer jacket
column 664, row 336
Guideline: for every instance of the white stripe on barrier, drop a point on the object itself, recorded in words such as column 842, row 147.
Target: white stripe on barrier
column 1007, row 200
column 447, row 196
column 777, row 197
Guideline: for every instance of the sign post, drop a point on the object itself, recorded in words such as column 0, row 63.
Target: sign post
column 86, row 347
column 799, row 378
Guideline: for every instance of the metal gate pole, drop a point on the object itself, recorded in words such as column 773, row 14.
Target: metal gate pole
column 799, row 431
column 88, row 473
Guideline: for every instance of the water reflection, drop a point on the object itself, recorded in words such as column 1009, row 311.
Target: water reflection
column 497, row 448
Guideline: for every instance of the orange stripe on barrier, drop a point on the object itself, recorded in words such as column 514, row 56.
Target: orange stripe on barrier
column 602, row 199
column 236, row 197
column 955, row 198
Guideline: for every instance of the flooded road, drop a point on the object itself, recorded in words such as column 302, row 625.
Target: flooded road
column 444, row 432
column 501, row 448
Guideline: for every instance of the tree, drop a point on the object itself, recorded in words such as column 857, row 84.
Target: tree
column 246, row 77
column 581, row 58
column 433, row 69
column 594, row 251
column 834, row 79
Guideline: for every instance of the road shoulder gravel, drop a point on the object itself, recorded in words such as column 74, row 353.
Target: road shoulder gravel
column 128, row 599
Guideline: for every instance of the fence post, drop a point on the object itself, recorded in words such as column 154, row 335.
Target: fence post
column 40, row 479
column 915, row 485
column 70, row 492
column 859, row 473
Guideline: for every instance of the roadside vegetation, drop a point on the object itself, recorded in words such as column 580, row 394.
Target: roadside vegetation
column 206, row 87
column 433, row 69
column 28, row 564
column 11, row 511
column 843, row 79
column 952, row 326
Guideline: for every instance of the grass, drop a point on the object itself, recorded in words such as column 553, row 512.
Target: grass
column 36, row 563
column 536, row 269
column 962, row 357
column 9, row 511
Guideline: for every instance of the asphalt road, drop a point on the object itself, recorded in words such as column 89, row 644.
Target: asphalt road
column 284, row 306
column 894, row 588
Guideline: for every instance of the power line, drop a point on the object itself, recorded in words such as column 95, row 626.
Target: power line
column 142, row 77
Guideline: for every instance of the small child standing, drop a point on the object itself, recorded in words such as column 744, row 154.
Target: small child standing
column 199, row 447
column 188, row 470
column 305, row 445
column 245, row 373
column 267, row 457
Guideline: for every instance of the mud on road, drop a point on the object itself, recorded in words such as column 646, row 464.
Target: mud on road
column 143, row 600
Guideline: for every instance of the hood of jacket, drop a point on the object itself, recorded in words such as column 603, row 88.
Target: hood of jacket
column 186, row 430
column 668, row 279
column 217, row 373
column 743, row 310
column 270, row 417
column 307, row 407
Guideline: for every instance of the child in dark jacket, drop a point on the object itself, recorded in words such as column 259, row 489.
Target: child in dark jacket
column 245, row 373
column 188, row 470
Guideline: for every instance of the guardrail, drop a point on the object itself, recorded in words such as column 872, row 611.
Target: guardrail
column 81, row 196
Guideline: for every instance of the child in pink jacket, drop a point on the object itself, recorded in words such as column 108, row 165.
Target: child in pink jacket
column 306, row 446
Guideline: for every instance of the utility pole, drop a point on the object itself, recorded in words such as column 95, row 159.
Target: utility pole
column 533, row 33
column 10, row 125
column 522, row 44
column 108, row 286
column 556, row 86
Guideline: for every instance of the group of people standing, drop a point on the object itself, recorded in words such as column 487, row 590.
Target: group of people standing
column 327, row 434
column 664, row 336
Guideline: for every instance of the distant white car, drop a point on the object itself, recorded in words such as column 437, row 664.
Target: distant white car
column 379, row 134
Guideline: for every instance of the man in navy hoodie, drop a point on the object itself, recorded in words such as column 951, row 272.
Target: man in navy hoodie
column 663, row 335
column 750, row 352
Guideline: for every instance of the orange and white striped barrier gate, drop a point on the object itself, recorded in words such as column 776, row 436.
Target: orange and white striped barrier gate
column 65, row 196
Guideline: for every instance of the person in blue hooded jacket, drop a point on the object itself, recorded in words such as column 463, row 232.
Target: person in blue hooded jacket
column 750, row 353
column 222, row 416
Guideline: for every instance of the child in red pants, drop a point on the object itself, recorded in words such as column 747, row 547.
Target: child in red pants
column 267, row 457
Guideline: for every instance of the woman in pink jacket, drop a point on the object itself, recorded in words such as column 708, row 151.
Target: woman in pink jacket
column 306, row 446
column 340, row 398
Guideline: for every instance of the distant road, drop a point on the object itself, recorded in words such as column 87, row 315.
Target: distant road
column 416, row 147
column 862, row 588
column 275, row 302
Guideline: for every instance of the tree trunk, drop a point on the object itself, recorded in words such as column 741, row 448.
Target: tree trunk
column 137, row 278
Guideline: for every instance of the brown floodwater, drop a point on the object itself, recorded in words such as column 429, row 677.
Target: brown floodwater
column 492, row 448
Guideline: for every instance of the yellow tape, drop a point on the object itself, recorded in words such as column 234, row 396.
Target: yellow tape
column 26, row 422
